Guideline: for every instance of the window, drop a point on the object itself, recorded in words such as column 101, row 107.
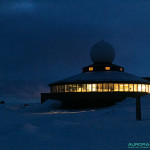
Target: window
column 121, row 87
column 149, row 88
column 94, row 87
column 135, row 88
column 90, row 68
column 126, row 87
column 139, row 88
column 111, row 87
column 121, row 69
column 68, row 88
column 79, row 87
column 100, row 87
column 146, row 88
column 116, row 87
column 83, row 87
column 131, row 87
column 89, row 87
column 107, row 68
column 54, row 89
column 74, row 88
column 143, row 87
column 105, row 87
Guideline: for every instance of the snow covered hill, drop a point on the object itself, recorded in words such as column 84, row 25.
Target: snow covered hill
column 48, row 127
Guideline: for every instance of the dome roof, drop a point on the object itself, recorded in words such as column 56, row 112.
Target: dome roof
column 102, row 52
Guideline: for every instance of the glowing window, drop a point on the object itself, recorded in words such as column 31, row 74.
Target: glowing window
column 94, row 87
column 126, row 87
column 139, row 88
column 74, row 88
column 116, row 87
column 143, row 87
column 121, row 69
column 90, row 68
column 83, row 87
column 105, row 87
column 79, row 87
column 131, row 87
column 100, row 88
column 121, row 87
column 89, row 87
column 107, row 68
column 111, row 87
column 135, row 88
column 146, row 88
column 68, row 88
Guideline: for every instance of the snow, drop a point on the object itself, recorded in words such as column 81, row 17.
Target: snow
column 48, row 127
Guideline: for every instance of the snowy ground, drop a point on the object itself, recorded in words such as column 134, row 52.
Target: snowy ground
column 47, row 127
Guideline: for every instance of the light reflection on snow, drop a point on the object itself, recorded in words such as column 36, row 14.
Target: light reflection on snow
column 63, row 112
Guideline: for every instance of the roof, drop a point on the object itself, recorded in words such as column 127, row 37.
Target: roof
column 102, row 76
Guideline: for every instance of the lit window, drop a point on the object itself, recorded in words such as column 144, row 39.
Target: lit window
column 121, row 87
column 74, row 88
column 105, row 87
column 94, row 87
column 146, row 88
column 89, row 87
column 126, row 87
column 99, row 87
column 116, row 87
column 68, row 88
column 139, row 88
column 131, row 87
column 107, row 68
column 83, row 87
column 121, row 69
column 79, row 87
column 111, row 87
column 149, row 88
column 135, row 88
column 90, row 68
column 143, row 87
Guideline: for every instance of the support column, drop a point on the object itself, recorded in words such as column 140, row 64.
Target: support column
column 138, row 108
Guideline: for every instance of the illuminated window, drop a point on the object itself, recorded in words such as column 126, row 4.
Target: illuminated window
column 107, row 68
column 100, row 88
column 94, row 87
column 79, row 87
column 105, row 87
column 135, row 88
column 126, row 87
column 83, row 87
column 61, row 88
column 121, row 87
column 68, row 88
column 143, row 88
column 90, row 68
column 121, row 69
column 139, row 88
column 111, row 87
column 149, row 88
column 89, row 87
column 74, row 88
column 116, row 87
column 131, row 87
column 146, row 88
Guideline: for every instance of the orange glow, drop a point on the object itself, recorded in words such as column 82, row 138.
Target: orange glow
column 90, row 68
column 121, row 69
column 107, row 68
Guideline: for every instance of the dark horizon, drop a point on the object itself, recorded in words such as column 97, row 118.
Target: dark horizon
column 42, row 42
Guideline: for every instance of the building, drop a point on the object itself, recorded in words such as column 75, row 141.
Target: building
column 100, row 84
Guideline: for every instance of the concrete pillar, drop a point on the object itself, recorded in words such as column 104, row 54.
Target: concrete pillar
column 138, row 108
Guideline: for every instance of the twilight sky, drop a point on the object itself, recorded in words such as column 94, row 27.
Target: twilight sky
column 42, row 41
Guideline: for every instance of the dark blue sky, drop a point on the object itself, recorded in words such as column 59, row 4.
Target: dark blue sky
column 44, row 41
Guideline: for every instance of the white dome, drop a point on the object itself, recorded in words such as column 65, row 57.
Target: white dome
column 102, row 52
